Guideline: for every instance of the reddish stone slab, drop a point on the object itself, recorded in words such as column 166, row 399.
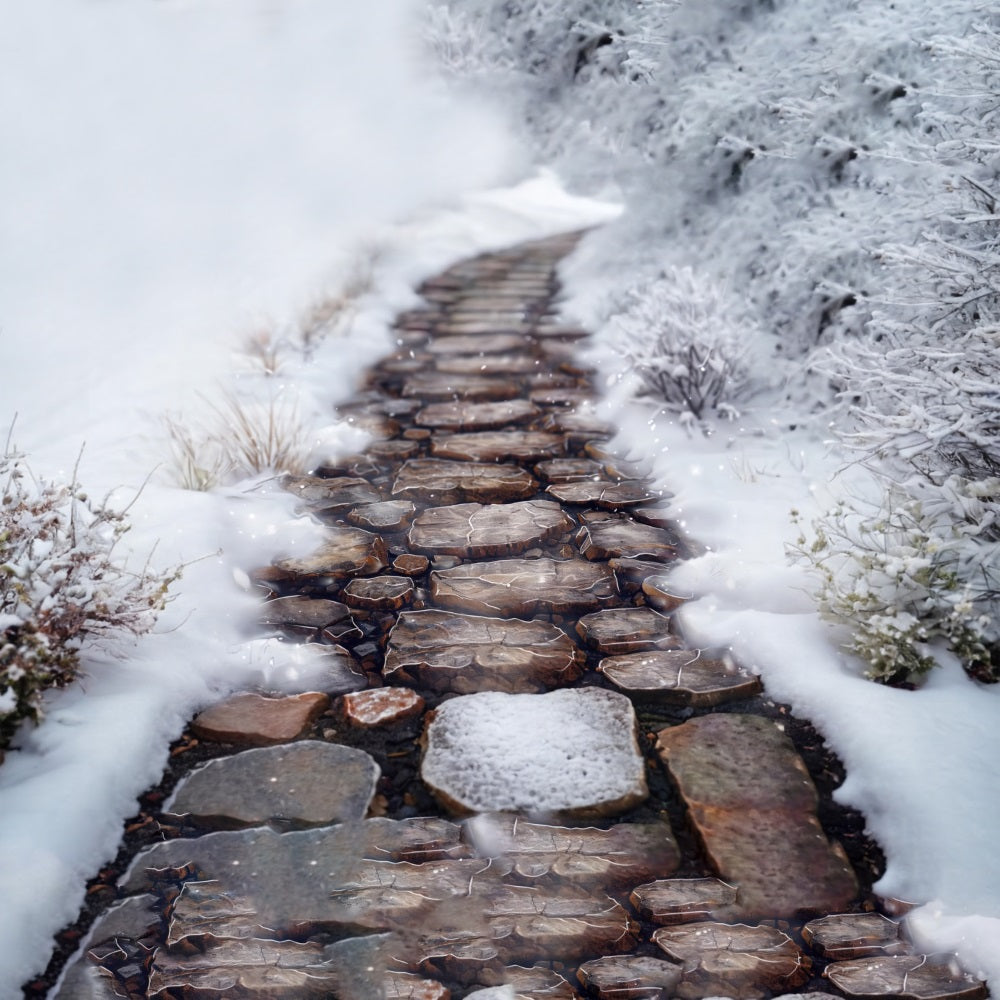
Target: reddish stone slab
column 761, row 835
column 475, row 531
column 440, row 481
column 254, row 720
column 464, row 653
column 524, row 586
column 381, row 706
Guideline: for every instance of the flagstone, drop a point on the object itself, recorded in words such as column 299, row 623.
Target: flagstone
column 460, row 415
column 256, row 720
column 441, row 481
column 497, row 446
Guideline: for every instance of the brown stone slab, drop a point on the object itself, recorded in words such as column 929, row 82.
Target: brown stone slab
column 613, row 857
column 566, row 395
column 440, row 481
column 434, row 386
column 912, row 977
column 381, row 706
column 620, row 977
column 663, row 595
column 307, row 782
column 474, row 531
column 632, row 573
column 488, row 364
column 493, row 752
column 406, row 986
column 537, row 983
column 411, row 565
column 500, row 343
column 621, row 538
column 445, row 651
column 626, row 630
column 604, row 496
column 347, row 552
column 843, row 936
column 255, row 720
column 732, row 960
column 524, row 586
column 679, row 677
column 568, row 470
column 580, row 424
column 390, row 515
column 684, row 900
column 459, row 415
column 753, row 805
column 309, row 615
column 488, row 327
column 331, row 494
column 393, row 451
column 497, row 446
column 379, row 593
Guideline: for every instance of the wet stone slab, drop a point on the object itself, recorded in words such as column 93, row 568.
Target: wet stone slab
column 661, row 594
column 732, row 960
column 305, row 783
column 490, row 364
column 627, row 630
column 628, row 976
column 499, row 343
column 443, row 482
column 381, row 706
column 464, row 416
column 347, row 552
column 438, row 386
column 256, row 720
column 854, row 935
column 684, row 900
column 569, row 470
column 761, row 835
column 390, row 515
column 333, row 494
column 524, row 587
column 498, row 446
column 622, row 538
column 911, row 977
column 311, row 616
column 379, row 593
column 679, row 677
column 476, row 531
column 494, row 752
column 445, row 651
column 604, row 496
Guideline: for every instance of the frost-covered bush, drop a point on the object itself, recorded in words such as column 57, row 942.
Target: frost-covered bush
column 63, row 586
column 677, row 337
column 904, row 573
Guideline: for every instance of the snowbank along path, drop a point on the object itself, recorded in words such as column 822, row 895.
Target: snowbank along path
column 517, row 778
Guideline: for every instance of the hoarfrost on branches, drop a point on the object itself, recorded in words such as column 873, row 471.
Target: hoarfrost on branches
column 63, row 586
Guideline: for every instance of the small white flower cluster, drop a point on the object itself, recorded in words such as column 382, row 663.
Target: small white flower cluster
column 62, row 585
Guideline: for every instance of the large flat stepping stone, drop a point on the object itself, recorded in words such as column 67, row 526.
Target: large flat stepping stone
column 440, row 481
column 604, row 496
column 491, row 364
column 379, row 593
column 626, row 630
column 499, row 343
column 436, row 386
column 474, row 531
column 911, row 977
column 616, row 856
column 347, row 552
column 445, row 651
column 854, row 935
column 381, row 706
column 620, row 976
column 619, row 538
column 256, row 720
column 662, row 594
column 495, row 752
column 308, row 782
column 524, row 587
column 732, row 960
column 389, row 515
column 309, row 615
column 569, row 470
column 678, row 677
column 683, row 900
column 463, row 416
column 753, row 805
column 496, row 446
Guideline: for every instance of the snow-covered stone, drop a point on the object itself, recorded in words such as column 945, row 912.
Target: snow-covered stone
column 571, row 752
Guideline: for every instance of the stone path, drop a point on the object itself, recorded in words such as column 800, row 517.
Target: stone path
column 518, row 780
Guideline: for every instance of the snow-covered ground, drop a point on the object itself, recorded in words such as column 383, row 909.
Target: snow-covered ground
column 176, row 175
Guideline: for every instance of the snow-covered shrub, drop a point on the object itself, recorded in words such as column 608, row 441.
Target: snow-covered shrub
column 63, row 586
column 676, row 335
column 904, row 573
